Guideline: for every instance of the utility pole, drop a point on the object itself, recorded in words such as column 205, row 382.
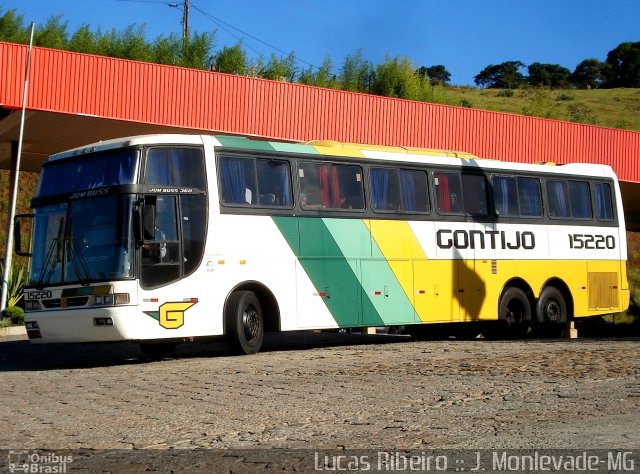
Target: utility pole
column 185, row 26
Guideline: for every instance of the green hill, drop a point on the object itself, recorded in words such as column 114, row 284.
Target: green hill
column 615, row 108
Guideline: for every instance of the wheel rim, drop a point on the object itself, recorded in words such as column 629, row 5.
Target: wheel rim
column 553, row 312
column 515, row 313
column 251, row 323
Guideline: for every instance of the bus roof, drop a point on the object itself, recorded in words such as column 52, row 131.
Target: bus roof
column 345, row 150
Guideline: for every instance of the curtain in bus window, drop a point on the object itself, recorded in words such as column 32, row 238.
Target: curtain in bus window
column 160, row 169
column 324, row 185
column 175, row 167
column 379, row 188
column 504, row 192
column 580, row 199
column 408, row 190
column 335, row 187
column 444, row 197
column 558, row 199
column 604, row 206
column 233, row 181
column 529, row 197
column 285, row 185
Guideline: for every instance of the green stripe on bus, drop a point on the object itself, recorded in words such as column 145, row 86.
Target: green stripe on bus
column 330, row 271
column 243, row 142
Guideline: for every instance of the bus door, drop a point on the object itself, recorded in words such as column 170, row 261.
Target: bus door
column 387, row 277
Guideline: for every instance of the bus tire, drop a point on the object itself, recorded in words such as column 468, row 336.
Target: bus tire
column 514, row 313
column 244, row 324
column 551, row 313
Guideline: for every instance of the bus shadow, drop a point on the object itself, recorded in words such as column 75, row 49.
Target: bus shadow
column 19, row 355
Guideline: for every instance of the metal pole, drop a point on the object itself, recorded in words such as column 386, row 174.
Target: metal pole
column 14, row 192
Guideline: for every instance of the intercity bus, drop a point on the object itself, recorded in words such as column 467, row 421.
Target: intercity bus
column 163, row 239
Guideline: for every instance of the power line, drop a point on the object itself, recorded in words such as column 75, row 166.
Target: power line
column 222, row 24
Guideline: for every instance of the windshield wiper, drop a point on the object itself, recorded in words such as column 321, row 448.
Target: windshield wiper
column 74, row 255
column 50, row 262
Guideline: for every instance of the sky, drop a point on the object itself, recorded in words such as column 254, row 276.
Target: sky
column 463, row 35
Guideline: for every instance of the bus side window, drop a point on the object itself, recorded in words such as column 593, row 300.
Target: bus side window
column 414, row 191
column 604, row 204
column 237, row 180
column 529, row 197
column 474, row 190
column 330, row 186
column 274, row 183
column 448, row 192
column 180, row 167
column 385, row 192
column 580, row 199
column 558, row 199
column 505, row 195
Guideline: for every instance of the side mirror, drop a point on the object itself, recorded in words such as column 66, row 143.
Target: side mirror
column 18, row 230
column 149, row 219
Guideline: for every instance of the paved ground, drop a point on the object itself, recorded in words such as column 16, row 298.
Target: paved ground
column 324, row 391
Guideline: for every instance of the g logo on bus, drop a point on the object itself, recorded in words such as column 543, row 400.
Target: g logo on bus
column 171, row 315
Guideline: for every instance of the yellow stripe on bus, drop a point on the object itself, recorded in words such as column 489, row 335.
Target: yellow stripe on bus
column 398, row 244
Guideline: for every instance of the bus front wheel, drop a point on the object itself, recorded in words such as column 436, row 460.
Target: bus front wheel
column 244, row 324
column 551, row 313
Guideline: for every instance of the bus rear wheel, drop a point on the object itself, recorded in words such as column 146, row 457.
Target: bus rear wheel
column 244, row 324
column 551, row 313
column 514, row 313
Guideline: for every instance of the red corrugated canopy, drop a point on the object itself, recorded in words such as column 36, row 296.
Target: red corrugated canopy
column 117, row 89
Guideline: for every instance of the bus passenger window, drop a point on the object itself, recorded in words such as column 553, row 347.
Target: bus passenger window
column 604, row 205
column 448, row 192
column 505, row 196
column 558, row 197
column 237, row 180
column 330, row 186
column 414, row 191
column 475, row 194
column 182, row 167
column 580, row 199
column 385, row 190
column 529, row 197
column 274, row 183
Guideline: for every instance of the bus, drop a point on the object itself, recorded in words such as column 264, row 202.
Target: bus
column 163, row 239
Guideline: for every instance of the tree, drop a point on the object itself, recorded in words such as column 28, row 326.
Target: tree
column 83, row 41
column 53, row 34
column 231, row 60
column 589, row 74
column 356, row 73
column 548, row 75
column 281, row 69
column 167, row 50
column 12, row 29
column 198, row 52
column 436, row 74
column 396, row 77
column 323, row 77
column 624, row 64
column 501, row 76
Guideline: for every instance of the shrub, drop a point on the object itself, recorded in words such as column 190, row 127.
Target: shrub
column 565, row 96
column 15, row 314
column 505, row 93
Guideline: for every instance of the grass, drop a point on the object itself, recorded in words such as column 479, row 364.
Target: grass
column 615, row 108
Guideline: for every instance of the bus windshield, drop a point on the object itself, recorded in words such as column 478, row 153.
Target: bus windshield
column 90, row 172
column 83, row 241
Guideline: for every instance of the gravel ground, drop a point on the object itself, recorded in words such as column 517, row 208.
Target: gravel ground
column 320, row 392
